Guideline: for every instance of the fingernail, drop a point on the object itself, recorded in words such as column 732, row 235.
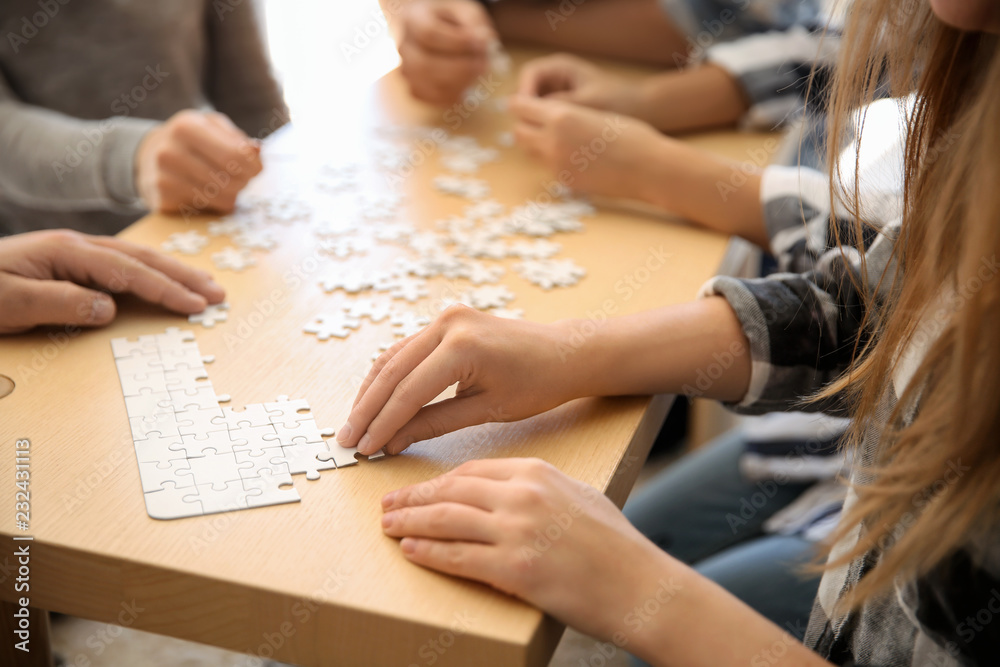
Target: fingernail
column 101, row 308
column 408, row 545
column 363, row 444
column 344, row 433
column 388, row 499
column 387, row 519
column 213, row 285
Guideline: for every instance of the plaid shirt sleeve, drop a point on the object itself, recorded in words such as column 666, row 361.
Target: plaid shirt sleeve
column 804, row 321
column 773, row 70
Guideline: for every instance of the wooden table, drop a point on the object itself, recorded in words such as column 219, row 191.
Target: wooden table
column 317, row 583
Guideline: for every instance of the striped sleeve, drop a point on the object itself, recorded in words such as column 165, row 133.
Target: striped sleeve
column 804, row 322
column 773, row 70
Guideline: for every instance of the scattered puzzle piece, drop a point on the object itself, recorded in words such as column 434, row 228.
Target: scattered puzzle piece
column 185, row 243
column 212, row 314
column 233, row 259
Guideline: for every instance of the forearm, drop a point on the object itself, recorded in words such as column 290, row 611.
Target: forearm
column 695, row 98
column 668, row 350
column 642, row 31
column 716, row 193
column 50, row 161
column 691, row 612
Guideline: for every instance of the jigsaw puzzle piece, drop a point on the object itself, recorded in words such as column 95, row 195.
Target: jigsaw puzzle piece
column 143, row 383
column 156, row 448
column 304, row 458
column 275, row 489
column 253, row 438
column 214, row 470
column 216, row 442
column 271, row 458
column 173, row 502
column 339, row 456
column 222, row 498
column 163, row 422
column 203, row 397
column 148, row 404
column 123, row 347
column 139, row 363
column 288, row 412
column 153, row 474
column 187, row 379
column 304, row 431
column 251, row 415
column 199, row 422
column 183, row 358
column 212, row 314
column 175, row 339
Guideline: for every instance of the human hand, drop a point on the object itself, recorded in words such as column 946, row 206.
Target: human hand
column 571, row 79
column 505, row 369
column 197, row 160
column 525, row 528
column 605, row 154
column 443, row 47
column 46, row 278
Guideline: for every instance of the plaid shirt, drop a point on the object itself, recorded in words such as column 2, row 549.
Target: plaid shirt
column 802, row 324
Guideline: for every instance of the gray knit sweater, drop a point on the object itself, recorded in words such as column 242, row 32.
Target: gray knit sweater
column 82, row 81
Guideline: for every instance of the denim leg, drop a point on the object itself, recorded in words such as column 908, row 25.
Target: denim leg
column 701, row 505
column 766, row 574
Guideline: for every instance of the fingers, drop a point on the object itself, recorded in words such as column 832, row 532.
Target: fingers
column 450, row 488
column 196, row 280
column 218, row 143
column 455, row 29
column 444, row 521
column 430, row 421
column 116, row 271
column 195, row 159
column 436, row 78
column 29, row 303
column 543, row 77
column 376, row 392
column 530, row 110
column 393, row 401
column 461, row 559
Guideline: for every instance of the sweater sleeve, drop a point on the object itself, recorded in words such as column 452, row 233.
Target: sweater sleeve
column 773, row 69
column 240, row 82
column 51, row 161
column 804, row 326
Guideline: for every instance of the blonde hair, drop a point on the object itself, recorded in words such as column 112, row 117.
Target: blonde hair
column 947, row 292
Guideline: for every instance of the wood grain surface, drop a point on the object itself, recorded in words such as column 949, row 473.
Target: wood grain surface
column 317, row 583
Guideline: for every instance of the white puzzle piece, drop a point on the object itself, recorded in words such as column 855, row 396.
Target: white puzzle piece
column 196, row 457
column 212, row 314
column 185, row 243
column 233, row 259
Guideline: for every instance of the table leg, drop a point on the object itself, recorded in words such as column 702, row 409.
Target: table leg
column 39, row 643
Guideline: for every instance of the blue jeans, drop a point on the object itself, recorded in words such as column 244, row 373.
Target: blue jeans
column 702, row 511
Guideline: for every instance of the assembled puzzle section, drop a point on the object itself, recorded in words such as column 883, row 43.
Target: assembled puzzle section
column 196, row 457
